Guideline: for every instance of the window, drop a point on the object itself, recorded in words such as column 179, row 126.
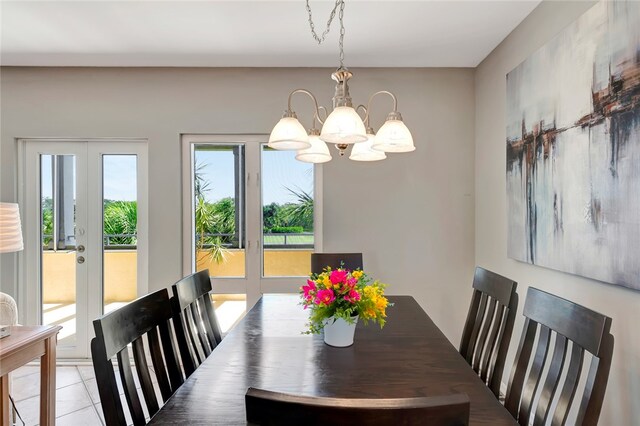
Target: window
column 251, row 215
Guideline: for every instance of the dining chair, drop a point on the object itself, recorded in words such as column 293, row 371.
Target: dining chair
column 319, row 261
column 197, row 329
column 148, row 316
column 574, row 330
column 489, row 325
column 265, row 407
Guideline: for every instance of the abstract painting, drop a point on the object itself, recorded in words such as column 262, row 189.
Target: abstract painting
column 573, row 149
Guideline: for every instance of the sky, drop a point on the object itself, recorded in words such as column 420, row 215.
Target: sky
column 280, row 170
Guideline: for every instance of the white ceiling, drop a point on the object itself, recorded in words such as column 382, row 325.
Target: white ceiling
column 253, row 33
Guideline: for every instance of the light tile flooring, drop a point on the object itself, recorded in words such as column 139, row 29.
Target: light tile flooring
column 77, row 398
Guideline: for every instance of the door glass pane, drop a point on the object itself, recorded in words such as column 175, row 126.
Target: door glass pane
column 120, row 230
column 287, row 214
column 229, row 309
column 219, row 223
column 58, row 256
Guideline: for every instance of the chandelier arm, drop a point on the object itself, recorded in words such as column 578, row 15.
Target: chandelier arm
column 382, row 92
column 326, row 114
column 365, row 120
column 316, row 113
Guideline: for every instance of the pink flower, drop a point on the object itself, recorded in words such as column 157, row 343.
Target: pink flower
column 351, row 282
column 325, row 297
column 309, row 289
column 338, row 276
column 352, row 297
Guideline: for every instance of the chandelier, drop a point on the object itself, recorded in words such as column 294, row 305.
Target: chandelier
column 343, row 126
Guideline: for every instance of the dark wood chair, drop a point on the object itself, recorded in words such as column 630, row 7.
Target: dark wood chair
column 576, row 330
column 274, row 408
column 319, row 261
column 151, row 316
column 197, row 329
column 487, row 331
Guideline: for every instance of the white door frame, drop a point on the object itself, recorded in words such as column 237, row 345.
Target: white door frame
column 253, row 283
column 89, row 179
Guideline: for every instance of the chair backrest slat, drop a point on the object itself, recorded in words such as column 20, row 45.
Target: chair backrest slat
column 212, row 324
column 596, row 385
column 183, row 337
column 274, row 408
column 148, row 315
column 535, row 374
column 573, row 326
column 194, row 339
column 170, row 356
column 570, row 385
column 487, row 330
column 158, row 364
column 142, row 369
column 200, row 331
column 475, row 331
column 194, row 316
column 551, row 383
column 108, row 388
column 129, row 385
column 481, row 346
column 351, row 261
column 491, row 353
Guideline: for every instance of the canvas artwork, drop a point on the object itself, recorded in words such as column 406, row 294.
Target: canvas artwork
column 573, row 149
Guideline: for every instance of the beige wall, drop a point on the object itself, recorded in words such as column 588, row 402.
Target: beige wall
column 412, row 215
column 623, row 305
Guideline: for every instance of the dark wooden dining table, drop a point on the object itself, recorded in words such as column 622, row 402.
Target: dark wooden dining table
column 409, row 357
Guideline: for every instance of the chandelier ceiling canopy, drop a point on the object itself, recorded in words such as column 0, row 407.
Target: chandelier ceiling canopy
column 343, row 126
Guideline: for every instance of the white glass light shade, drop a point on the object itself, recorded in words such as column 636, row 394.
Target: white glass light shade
column 393, row 136
column 343, row 126
column 318, row 152
column 288, row 134
column 10, row 230
column 363, row 152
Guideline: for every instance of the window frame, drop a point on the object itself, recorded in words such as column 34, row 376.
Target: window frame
column 253, row 284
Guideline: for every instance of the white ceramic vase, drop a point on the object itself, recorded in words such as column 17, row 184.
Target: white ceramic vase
column 338, row 332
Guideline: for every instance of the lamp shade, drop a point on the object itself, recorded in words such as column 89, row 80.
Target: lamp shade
column 393, row 136
column 10, row 230
column 318, row 152
column 288, row 134
column 363, row 152
column 343, row 126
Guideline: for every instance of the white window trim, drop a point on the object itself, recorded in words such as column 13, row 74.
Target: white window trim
column 254, row 283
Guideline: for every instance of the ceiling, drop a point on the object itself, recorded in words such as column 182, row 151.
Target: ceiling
column 253, row 33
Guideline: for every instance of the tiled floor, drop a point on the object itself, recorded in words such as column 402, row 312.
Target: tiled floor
column 77, row 399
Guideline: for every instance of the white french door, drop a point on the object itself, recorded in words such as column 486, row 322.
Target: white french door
column 85, row 211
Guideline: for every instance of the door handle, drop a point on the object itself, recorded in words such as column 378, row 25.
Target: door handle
column 80, row 259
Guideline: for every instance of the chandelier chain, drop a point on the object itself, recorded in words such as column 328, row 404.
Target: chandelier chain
column 321, row 38
column 341, row 41
column 315, row 35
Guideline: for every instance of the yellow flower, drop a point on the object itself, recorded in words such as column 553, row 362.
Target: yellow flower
column 356, row 274
column 326, row 281
column 381, row 303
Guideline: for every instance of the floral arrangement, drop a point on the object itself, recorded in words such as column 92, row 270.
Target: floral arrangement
column 341, row 293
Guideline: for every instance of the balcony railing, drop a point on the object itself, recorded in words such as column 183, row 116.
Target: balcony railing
column 300, row 240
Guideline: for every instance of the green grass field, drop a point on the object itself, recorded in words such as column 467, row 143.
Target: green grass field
column 291, row 239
